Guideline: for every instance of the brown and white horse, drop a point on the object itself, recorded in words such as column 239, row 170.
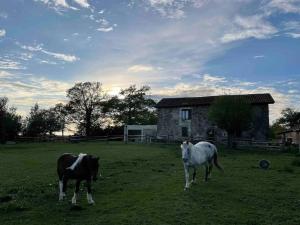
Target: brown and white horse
column 79, row 168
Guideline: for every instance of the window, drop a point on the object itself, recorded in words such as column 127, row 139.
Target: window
column 186, row 114
column 134, row 132
column 184, row 132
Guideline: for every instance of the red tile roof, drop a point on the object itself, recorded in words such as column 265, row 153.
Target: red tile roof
column 197, row 101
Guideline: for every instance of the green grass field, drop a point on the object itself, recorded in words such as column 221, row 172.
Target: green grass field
column 143, row 184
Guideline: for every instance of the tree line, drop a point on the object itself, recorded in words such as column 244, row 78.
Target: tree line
column 94, row 112
column 88, row 107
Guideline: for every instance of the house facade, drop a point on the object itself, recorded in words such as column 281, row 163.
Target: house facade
column 291, row 136
column 181, row 118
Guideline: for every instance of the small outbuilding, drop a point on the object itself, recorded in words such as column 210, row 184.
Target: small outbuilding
column 291, row 136
column 140, row 133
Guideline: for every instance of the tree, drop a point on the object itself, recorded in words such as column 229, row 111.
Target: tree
column 231, row 113
column 35, row 123
column 61, row 114
column 289, row 118
column 51, row 120
column 42, row 122
column 275, row 129
column 132, row 107
column 10, row 122
column 85, row 104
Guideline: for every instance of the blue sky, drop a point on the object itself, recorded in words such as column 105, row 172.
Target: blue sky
column 178, row 47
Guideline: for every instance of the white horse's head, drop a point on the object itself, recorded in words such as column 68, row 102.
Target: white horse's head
column 185, row 150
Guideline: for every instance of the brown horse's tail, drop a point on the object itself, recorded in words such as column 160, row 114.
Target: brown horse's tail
column 215, row 158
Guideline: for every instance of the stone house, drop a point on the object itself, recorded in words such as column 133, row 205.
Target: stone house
column 180, row 118
column 291, row 136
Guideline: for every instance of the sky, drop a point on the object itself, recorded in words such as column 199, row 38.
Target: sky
column 177, row 47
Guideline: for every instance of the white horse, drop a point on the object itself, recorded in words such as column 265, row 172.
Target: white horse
column 202, row 153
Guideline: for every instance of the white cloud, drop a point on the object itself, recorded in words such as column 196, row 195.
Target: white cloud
column 213, row 79
column 258, row 56
column 61, row 5
column 57, row 5
column 60, row 56
column 294, row 35
column 2, row 33
column 83, row 3
column 292, row 25
column 105, row 29
column 24, row 91
column 8, row 64
column 47, row 62
column 246, row 83
column 3, row 15
column 249, row 27
column 283, row 6
column 5, row 74
column 140, row 68
column 25, row 56
column 293, row 91
column 173, row 9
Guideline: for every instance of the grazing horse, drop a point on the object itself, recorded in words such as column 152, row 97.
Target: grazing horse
column 202, row 153
column 81, row 167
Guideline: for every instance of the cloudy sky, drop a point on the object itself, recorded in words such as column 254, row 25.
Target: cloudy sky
column 178, row 47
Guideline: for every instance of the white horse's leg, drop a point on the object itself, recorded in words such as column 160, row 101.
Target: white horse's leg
column 61, row 193
column 210, row 170
column 74, row 199
column 194, row 176
column 186, row 173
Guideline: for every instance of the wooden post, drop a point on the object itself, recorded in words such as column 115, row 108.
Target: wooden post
column 125, row 134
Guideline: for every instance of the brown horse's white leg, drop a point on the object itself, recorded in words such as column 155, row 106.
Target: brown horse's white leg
column 89, row 193
column 61, row 193
column 75, row 196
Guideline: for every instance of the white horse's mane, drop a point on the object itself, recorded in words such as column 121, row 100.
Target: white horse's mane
column 186, row 144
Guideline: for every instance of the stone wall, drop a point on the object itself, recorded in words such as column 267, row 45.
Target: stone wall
column 170, row 124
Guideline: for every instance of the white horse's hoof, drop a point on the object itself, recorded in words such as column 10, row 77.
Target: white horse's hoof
column 185, row 188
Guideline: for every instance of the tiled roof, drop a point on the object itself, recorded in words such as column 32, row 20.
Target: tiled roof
column 196, row 101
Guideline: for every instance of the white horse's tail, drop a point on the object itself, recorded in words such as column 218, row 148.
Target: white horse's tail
column 215, row 158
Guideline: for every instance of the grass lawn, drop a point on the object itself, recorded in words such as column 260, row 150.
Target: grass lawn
column 143, row 184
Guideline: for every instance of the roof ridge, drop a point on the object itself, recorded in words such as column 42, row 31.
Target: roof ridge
column 257, row 98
